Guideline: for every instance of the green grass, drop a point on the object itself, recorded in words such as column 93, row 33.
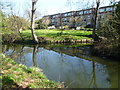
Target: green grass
column 54, row 35
column 16, row 75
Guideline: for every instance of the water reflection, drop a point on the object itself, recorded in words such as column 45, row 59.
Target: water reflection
column 35, row 50
column 67, row 65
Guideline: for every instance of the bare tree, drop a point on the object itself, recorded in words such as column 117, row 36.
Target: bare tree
column 95, row 19
column 13, row 22
column 35, row 38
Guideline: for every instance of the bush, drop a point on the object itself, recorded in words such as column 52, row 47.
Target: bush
column 9, row 37
column 109, row 33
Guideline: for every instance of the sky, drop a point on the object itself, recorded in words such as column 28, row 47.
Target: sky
column 48, row 7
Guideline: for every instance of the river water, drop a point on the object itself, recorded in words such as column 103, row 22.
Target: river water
column 72, row 64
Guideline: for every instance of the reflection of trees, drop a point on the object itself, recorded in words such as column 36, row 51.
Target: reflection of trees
column 93, row 79
column 18, row 52
column 94, row 75
column 84, row 76
column 14, row 51
column 21, row 54
column 88, row 79
column 81, row 76
column 35, row 49
column 61, row 65
column 5, row 48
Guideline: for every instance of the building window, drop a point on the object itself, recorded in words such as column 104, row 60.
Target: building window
column 65, row 19
column 53, row 20
column 69, row 14
column 53, row 16
column 88, row 16
column 81, row 12
column 56, row 15
column 65, row 14
column 108, row 9
column 90, row 11
column 102, row 10
column 101, row 17
column 85, row 12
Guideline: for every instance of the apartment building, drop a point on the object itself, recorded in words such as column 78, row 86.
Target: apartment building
column 81, row 18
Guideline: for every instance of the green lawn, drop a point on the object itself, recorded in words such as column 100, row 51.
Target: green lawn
column 54, row 35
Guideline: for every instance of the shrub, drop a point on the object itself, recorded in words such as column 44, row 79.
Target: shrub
column 9, row 37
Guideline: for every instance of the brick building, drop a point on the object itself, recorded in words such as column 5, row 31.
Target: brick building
column 81, row 18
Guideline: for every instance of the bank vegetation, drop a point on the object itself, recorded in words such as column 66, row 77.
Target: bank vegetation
column 18, row 76
column 109, row 35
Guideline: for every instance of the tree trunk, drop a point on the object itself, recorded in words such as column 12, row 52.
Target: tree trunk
column 60, row 21
column 95, row 20
column 33, row 21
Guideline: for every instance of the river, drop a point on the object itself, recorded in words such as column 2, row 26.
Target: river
column 75, row 65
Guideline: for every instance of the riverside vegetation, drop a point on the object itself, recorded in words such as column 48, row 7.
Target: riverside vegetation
column 19, row 76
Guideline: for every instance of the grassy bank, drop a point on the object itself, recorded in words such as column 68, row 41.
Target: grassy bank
column 56, row 36
column 19, row 76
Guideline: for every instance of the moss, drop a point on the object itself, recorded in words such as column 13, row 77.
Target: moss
column 17, row 75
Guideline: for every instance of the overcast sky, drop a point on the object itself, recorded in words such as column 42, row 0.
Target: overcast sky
column 47, row 7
